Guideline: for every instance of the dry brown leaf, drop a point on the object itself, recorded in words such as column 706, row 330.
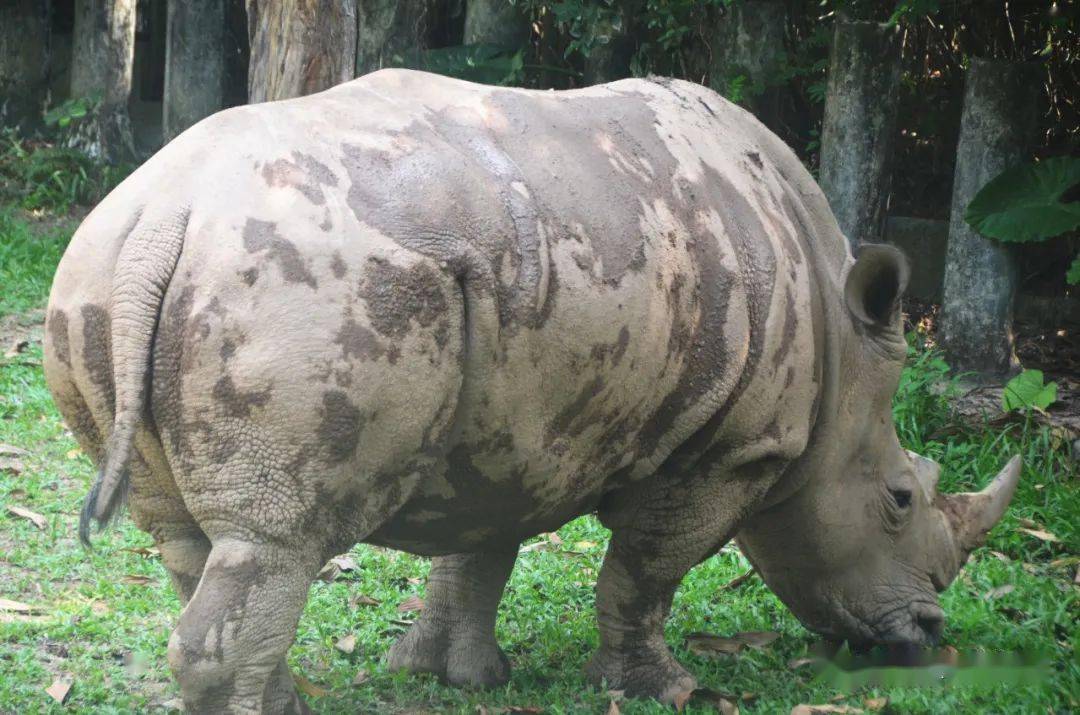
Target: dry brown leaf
column 359, row 599
column 361, row 677
column 345, row 562
column 613, row 708
column 999, row 591
column 757, row 639
column 525, row 709
column 584, row 545
column 149, row 552
column 708, row 644
column 412, row 603
column 12, row 466
column 1040, row 534
column 875, row 704
column 37, row 519
column 1063, row 562
column 738, row 580
column 555, row 539
column 74, row 453
column 535, row 546
column 1000, row 556
column 135, row 579
column 10, row 450
column 15, row 606
column 415, row 581
column 309, row 688
column 797, row 663
column 60, row 688
column 823, row 709
column 346, row 644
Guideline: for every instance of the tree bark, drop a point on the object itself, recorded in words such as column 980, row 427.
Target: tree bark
column 391, row 34
column 750, row 44
column 194, row 63
column 24, row 53
column 496, row 22
column 299, row 47
column 1001, row 102
column 103, row 52
column 859, row 127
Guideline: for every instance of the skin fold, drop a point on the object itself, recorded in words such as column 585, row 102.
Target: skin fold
column 444, row 318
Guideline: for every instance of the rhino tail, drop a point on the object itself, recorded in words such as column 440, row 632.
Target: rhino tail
column 143, row 271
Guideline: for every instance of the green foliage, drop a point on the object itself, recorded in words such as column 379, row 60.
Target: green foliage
column 43, row 175
column 71, row 111
column 921, row 406
column 1028, row 391
column 1024, row 203
column 484, row 63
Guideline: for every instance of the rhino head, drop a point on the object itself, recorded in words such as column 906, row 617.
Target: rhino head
column 863, row 545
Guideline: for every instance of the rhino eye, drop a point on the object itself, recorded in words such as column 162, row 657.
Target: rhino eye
column 902, row 497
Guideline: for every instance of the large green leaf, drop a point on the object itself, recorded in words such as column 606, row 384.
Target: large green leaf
column 1024, row 203
column 1027, row 390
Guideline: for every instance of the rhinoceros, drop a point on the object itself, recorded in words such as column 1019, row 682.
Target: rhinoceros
column 444, row 317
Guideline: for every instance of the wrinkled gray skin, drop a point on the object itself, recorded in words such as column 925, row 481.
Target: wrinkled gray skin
column 442, row 317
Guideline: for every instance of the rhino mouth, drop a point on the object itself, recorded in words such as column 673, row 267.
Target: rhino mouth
column 912, row 626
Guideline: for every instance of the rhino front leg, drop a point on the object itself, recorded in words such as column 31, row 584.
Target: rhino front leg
column 454, row 638
column 228, row 650
column 656, row 539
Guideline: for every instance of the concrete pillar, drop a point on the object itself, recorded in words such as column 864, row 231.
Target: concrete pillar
column 750, row 44
column 859, row 128
column 496, row 22
column 194, row 63
column 1001, row 101
column 24, row 55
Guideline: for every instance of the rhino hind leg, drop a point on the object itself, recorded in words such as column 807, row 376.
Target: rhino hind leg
column 454, row 638
column 228, row 649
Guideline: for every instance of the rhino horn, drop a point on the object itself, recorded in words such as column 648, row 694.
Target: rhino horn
column 973, row 514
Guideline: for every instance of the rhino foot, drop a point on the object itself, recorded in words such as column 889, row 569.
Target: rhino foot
column 456, row 653
column 647, row 672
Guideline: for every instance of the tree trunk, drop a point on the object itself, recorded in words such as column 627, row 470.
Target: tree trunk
column 750, row 45
column 1001, row 102
column 496, row 22
column 391, row 34
column 24, row 52
column 860, row 125
column 194, row 63
column 299, row 47
column 610, row 60
column 103, row 52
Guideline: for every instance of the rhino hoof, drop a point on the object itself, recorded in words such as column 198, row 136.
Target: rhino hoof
column 643, row 674
column 457, row 659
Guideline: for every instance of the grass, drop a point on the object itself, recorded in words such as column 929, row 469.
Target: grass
column 103, row 618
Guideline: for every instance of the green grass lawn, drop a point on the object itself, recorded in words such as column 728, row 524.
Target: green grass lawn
column 103, row 618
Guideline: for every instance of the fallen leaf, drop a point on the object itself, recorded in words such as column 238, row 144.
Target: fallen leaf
column 135, row 579
column 415, row 581
column 308, row 688
column 824, row 708
column 738, row 580
column 1000, row 556
column 74, row 453
column 359, row 599
column 1040, row 534
column 797, row 663
column 584, row 545
column 555, row 539
column 1063, row 562
column 412, row 603
column 708, row 644
column 525, row 709
column 345, row 562
column 10, row 450
column 37, row 519
column 17, row 347
column 1028, row 523
column 875, row 704
column 535, row 546
column 999, row 591
column 613, row 708
column 60, row 688
column 722, row 703
column 147, row 551
column 11, row 465
column 16, row 606
column 757, row 639
column 346, row 644
column 361, row 677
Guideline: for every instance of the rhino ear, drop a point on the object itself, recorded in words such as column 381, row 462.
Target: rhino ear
column 875, row 284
